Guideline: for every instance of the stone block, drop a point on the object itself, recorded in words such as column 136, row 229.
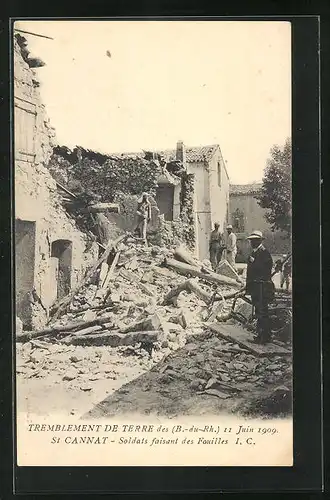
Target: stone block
column 225, row 269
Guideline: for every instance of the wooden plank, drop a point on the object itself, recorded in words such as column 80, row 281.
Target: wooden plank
column 104, row 207
column 114, row 339
column 103, row 273
column 109, row 275
column 212, row 277
column 65, row 190
column 237, row 335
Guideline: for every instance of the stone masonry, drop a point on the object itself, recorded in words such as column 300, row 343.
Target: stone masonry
column 40, row 218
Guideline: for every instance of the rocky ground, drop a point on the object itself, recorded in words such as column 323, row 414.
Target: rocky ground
column 206, row 375
column 187, row 370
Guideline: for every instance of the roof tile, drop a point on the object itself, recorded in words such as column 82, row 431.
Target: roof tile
column 241, row 189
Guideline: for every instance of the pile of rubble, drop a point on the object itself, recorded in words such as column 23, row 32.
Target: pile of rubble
column 208, row 375
column 142, row 295
column 159, row 321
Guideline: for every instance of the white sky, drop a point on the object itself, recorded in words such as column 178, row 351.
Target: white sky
column 203, row 82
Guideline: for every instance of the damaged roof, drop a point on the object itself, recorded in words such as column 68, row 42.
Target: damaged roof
column 243, row 189
column 193, row 154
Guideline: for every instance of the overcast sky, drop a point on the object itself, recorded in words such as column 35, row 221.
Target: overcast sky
column 203, row 82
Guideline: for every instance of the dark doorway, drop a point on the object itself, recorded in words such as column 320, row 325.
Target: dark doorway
column 61, row 266
column 165, row 200
column 25, row 241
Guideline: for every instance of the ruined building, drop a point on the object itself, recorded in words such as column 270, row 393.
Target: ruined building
column 211, row 191
column 51, row 254
column 192, row 191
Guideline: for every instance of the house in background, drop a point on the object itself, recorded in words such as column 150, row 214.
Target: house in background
column 246, row 215
column 211, row 191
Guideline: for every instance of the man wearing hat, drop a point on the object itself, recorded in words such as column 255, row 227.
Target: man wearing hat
column 231, row 248
column 259, row 284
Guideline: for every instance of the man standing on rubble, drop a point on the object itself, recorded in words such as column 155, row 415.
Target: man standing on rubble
column 144, row 216
column 259, row 285
column 216, row 246
column 231, row 248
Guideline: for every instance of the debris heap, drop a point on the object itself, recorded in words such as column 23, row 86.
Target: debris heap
column 137, row 294
column 169, row 319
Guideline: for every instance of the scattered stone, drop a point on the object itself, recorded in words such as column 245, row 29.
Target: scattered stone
column 197, row 384
column 37, row 356
column 75, row 359
column 148, row 277
column 211, row 383
column 115, row 297
column 85, row 388
column 224, row 377
column 69, row 376
column 199, row 358
column 218, row 394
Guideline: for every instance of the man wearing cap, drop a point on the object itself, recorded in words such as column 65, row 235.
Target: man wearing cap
column 259, row 285
column 231, row 248
column 216, row 245
column 144, row 216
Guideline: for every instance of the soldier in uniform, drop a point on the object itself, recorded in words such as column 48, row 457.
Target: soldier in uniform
column 231, row 247
column 216, row 246
column 259, row 285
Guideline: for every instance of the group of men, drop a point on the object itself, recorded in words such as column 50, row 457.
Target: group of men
column 259, row 284
column 222, row 249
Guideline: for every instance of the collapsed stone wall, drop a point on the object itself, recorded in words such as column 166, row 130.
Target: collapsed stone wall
column 128, row 205
column 37, row 200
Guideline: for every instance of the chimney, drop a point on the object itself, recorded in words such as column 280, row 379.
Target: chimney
column 181, row 152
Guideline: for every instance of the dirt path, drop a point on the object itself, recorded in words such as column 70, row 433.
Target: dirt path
column 69, row 380
column 207, row 376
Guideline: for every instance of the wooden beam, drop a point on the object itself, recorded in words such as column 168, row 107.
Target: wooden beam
column 65, row 189
column 60, row 307
column 212, row 277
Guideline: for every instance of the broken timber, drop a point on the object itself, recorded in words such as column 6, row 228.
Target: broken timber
column 190, row 285
column 183, row 255
column 237, row 334
column 109, row 275
column 54, row 330
column 61, row 306
column 114, row 339
column 103, row 207
column 212, row 277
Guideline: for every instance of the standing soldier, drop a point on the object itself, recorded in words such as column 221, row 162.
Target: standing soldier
column 231, row 248
column 259, row 285
column 144, row 216
column 216, row 246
